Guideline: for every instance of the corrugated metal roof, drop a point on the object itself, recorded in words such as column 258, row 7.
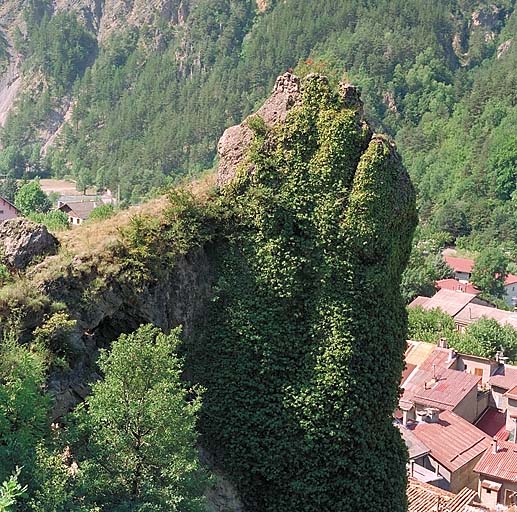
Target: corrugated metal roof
column 473, row 312
column 440, row 358
column 441, row 388
column 506, row 377
column 450, row 302
column 493, row 423
column 453, row 441
column 427, row 498
column 416, row 448
column 501, row 465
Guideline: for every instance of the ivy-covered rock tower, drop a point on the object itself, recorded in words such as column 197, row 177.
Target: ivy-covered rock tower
column 303, row 349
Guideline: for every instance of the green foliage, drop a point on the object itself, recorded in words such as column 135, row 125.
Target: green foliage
column 429, row 325
column 54, row 335
column 490, row 271
column 312, row 248
column 451, row 108
column 5, row 275
column 102, row 212
column 482, row 338
column 8, row 188
column 426, row 266
column 10, row 490
column 55, row 220
column 485, row 337
column 137, row 439
column 30, row 198
column 24, row 407
column 61, row 48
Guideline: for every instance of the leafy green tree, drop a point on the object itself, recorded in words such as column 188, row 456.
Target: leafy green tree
column 490, row 271
column 451, row 219
column 55, row 220
column 426, row 266
column 137, row 447
column 10, row 490
column 429, row 325
column 485, row 337
column 102, row 212
column 30, row 198
column 8, row 188
column 24, row 407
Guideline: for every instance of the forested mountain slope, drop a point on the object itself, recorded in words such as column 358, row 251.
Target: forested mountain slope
column 147, row 88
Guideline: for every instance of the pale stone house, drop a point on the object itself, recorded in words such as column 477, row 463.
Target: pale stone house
column 8, row 210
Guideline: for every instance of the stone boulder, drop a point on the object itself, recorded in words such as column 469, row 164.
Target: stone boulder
column 22, row 240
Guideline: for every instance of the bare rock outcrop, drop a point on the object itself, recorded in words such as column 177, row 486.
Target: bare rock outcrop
column 22, row 240
column 236, row 140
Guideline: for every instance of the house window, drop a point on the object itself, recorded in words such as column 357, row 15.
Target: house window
column 488, row 491
column 1, row 211
column 478, row 372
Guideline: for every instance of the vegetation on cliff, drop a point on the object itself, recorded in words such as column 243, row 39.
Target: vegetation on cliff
column 298, row 403
column 304, row 247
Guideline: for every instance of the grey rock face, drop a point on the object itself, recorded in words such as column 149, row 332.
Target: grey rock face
column 236, row 140
column 21, row 240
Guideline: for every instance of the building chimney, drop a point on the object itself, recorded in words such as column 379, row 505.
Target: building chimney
column 494, row 445
column 443, row 343
column 432, row 415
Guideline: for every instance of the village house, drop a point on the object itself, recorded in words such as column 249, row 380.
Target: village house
column 497, row 470
column 78, row 212
column 453, row 406
column 456, row 286
column 465, row 308
column 462, row 268
column 433, row 385
column 427, row 498
column 455, row 447
column 8, row 210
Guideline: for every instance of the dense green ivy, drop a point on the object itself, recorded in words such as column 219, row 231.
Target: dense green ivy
column 302, row 353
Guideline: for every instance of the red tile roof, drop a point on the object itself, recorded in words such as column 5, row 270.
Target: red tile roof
column 512, row 393
column 440, row 358
column 449, row 301
column 459, row 264
column 505, row 378
column 493, row 423
column 452, row 284
column 419, row 301
column 426, row 498
column 501, row 465
column 444, row 388
column 452, row 440
column 408, row 369
column 510, row 279
column 473, row 312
